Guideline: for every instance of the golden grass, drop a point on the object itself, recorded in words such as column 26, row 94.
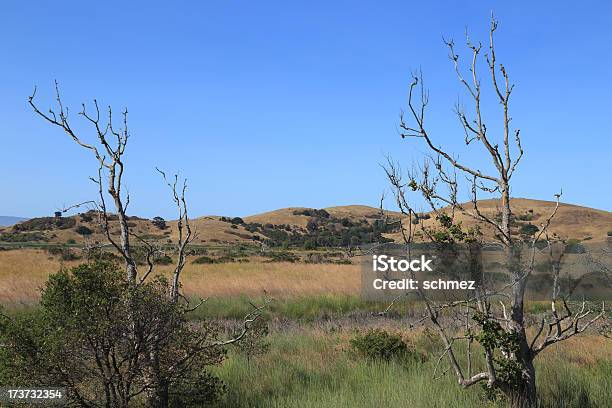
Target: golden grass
column 23, row 272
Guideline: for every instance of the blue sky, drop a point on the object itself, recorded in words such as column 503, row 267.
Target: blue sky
column 264, row 105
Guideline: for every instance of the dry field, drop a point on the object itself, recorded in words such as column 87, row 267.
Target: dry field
column 24, row 271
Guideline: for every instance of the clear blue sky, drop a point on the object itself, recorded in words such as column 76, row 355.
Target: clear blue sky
column 265, row 105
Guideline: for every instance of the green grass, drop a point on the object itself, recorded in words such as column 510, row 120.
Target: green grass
column 303, row 308
column 316, row 370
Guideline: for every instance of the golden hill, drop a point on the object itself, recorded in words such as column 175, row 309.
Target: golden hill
column 571, row 221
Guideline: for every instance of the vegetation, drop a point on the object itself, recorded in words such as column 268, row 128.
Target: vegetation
column 378, row 344
column 83, row 230
column 324, row 230
column 91, row 308
column 159, row 223
column 528, row 229
column 45, row 223
column 23, row 237
column 313, row 368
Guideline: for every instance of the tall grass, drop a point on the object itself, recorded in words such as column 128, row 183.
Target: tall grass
column 299, row 308
column 317, row 370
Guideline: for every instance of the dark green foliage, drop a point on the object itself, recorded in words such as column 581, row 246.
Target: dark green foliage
column 163, row 260
column 237, row 221
column 509, row 371
column 83, row 230
column 282, row 257
column 312, row 212
column 159, row 222
column 377, row 344
column 310, row 244
column 324, row 231
column 203, row 260
column 95, row 334
column 528, row 229
column 64, row 253
column 88, row 216
column 23, row 237
column 45, row 223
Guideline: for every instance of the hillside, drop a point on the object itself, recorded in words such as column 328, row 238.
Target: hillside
column 296, row 226
column 570, row 222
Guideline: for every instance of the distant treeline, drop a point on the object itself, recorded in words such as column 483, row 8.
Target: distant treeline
column 322, row 230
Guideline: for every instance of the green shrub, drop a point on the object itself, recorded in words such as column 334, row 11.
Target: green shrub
column 65, row 254
column 377, row 344
column 159, row 222
column 163, row 260
column 45, row 223
column 91, row 308
column 83, row 230
column 23, row 237
column 282, row 257
column 310, row 244
column 528, row 229
column 204, row 260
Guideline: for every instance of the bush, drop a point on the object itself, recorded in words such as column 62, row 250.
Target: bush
column 237, row 220
column 65, row 254
column 377, row 344
column 311, row 212
column 45, row 223
column 310, row 244
column 87, row 217
column 159, row 222
column 83, row 230
column 204, row 260
column 282, row 257
column 528, row 229
column 113, row 330
column 23, row 237
column 163, row 260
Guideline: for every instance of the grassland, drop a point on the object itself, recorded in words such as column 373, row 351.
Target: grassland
column 24, row 271
column 315, row 312
column 312, row 368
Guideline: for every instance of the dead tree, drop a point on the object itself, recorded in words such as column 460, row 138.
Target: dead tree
column 109, row 152
column 439, row 181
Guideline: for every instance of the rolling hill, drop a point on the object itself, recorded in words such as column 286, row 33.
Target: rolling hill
column 297, row 225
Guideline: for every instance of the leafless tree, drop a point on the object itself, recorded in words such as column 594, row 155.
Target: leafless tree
column 109, row 153
column 439, row 181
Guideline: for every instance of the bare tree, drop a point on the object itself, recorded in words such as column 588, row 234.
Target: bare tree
column 109, row 151
column 509, row 354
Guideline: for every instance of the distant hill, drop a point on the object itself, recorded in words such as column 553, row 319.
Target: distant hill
column 7, row 220
column 298, row 226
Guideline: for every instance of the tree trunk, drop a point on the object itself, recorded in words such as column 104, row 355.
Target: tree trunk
column 525, row 395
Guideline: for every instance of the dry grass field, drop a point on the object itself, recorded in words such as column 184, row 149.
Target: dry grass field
column 24, row 271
